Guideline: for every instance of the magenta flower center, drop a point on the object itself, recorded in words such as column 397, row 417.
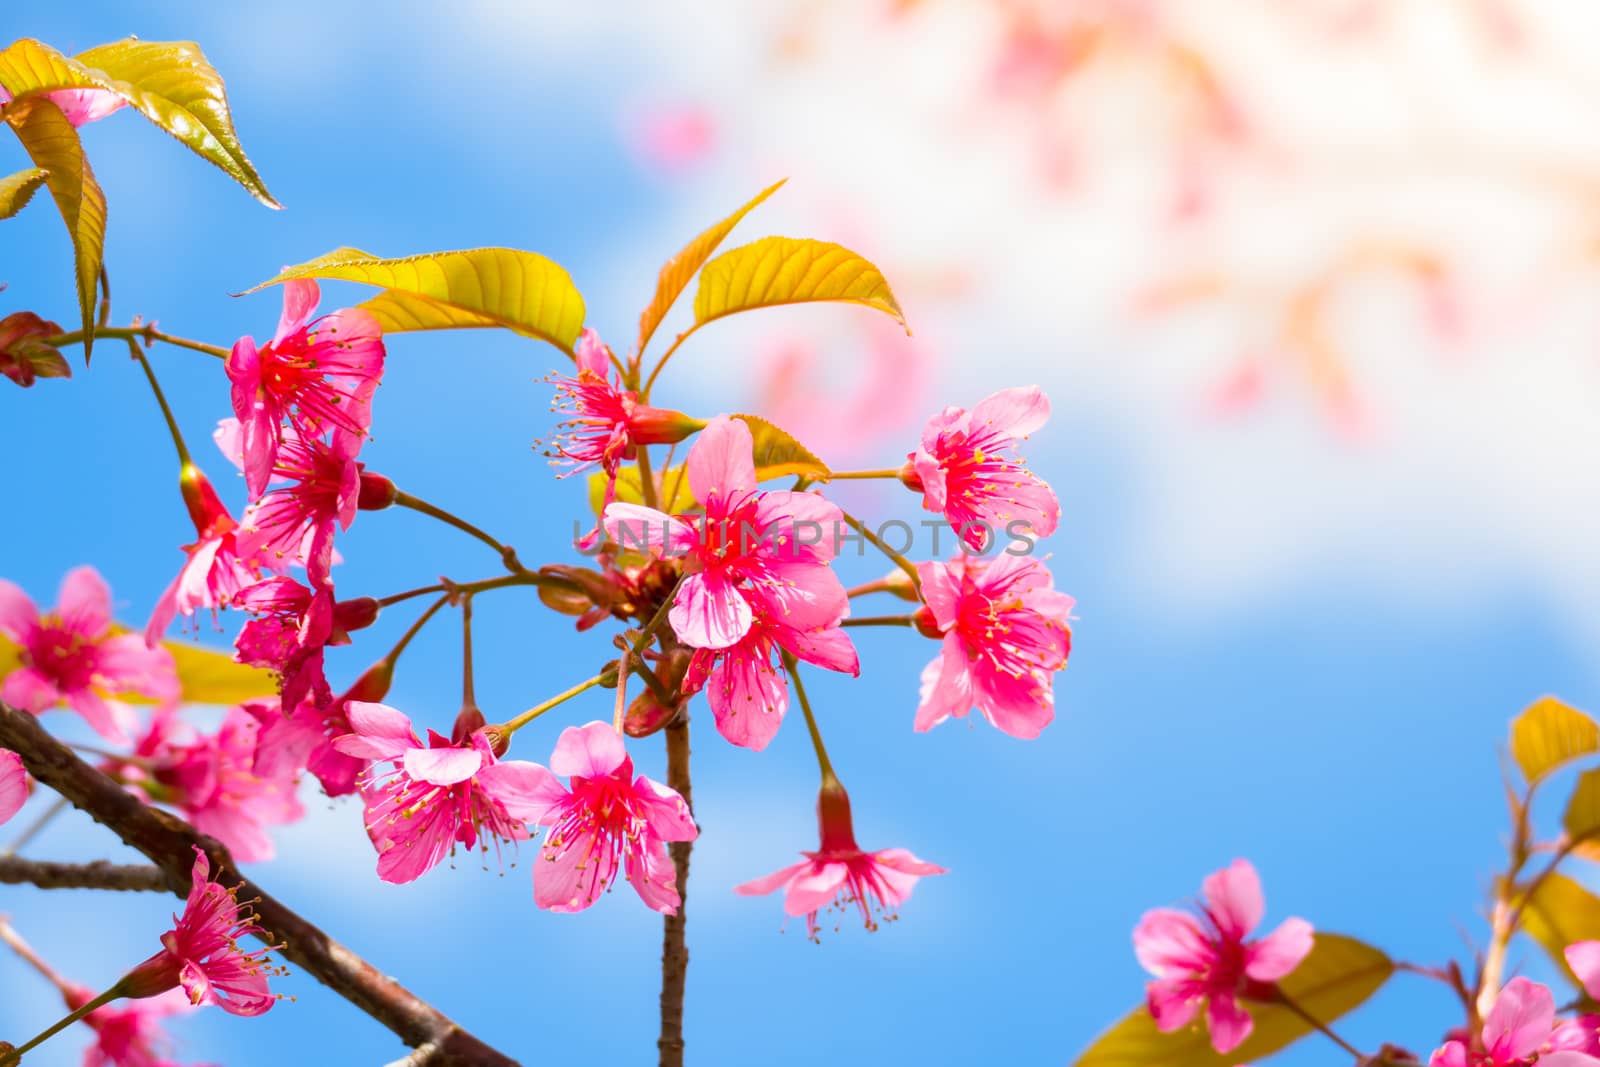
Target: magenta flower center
column 63, row 655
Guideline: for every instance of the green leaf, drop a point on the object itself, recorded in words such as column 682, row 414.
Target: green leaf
column 675, row 497
column 790, row 270
column 1338, row 975
column 1550, row 733
column 17, row 189
column 213, row 677
column 681, row 267
column 1559, row 912
column 53, row 145
column 479, row 287
column 170, row 82
column 778, row 453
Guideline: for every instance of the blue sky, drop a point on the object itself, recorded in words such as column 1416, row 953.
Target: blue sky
column 1337, row 727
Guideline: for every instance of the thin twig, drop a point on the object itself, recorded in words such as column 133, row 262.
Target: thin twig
column 100, row 874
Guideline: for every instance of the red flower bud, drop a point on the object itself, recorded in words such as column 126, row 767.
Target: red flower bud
column 377, row 492
column 357, row 613
column 468, row 722
column 910, row 478
column 660, row 426
column 926, row 624
column 372, row 686
column 210, row 518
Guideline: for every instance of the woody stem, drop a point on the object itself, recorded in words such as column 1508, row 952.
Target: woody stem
column 674, row 943
column 884, row 472
column 878, row 620
column 647, row 478
column 161, row 398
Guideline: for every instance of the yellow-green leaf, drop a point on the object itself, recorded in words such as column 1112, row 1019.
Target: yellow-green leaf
column 790, row 270
column 1550, row 733
column 1582, row 818
column 1559, row 912
column 681, row 267
column 208, row 676
column 53, row 145
column 170, row 82
column 777, row 453
column 673, row 498
column 17, row 189
column 10, row 655
column 479, row 287
column 1338, row 975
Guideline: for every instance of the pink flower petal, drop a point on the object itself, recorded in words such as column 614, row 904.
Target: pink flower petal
column 636, row 528
column 709, row 611
column 29, row 690
column 1450, row 1054
column 85, row 603
column 769, row 883
column 815, row 889
column 1233, row 897
column 1280, row 952
column 1520, row 1021
column 748, row 696
column 592, row 354
column 722, row 460
column 664, row 810
column 13, row 784
column 1168, row 943
column 1172, row 1002
column 300, row 298
column 18, row 615
column 528, row 791
column 946, row 686
column 1584, row 959
column 1015, row 412
column 590, row 751
column 442, row 766
column 1229, row 1023
column 379, row 732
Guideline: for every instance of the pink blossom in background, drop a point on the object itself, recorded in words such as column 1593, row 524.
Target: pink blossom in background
column 296, row 522
column 603, row 820
column 751, row 546
column 839, row 873
column 213, row 568
column 1204, row 960
column 317, row 374
column 129, row 1034
column 672, row 137
column 1004, row 631
column 201, row 953
column 966, row 468
column 80, row 106
column 13, row 784
column 71, row 656
column 1517, row 1031
column 430, row 799
column 213, row 781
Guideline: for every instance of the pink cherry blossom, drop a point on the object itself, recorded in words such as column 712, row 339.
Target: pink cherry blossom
column 201, row 952
column 213, row 780
column 430, row 799
column 965, row 468
column 292, row 627
column 296, row 523
column 1205, row 959
column 13, row 784
column 606, row 420
column 129, row 1034
column 1004, row 631
column 71, row 656
column 752, row 548
column 317, row 374
column 747, row 694
column 1519, row 1029
column 80, row 106
column 214, row 570
column 839, row 873
column 605, row 819
column 304, row 740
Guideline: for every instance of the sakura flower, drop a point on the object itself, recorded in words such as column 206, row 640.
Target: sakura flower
column 747, row 694
column 292, row 627
column 296, row 523
column 604, row 819
column 71, row 656
column 1517, row 1031
column 606, row 421
column 1204, row 959
column 1004, row 631
column 435, row 797
column 213, row 780
column 752, row 548
column 13, row 784
column 318, row 374
column 965, row 468
column 129, row 1035
column 214, row 569
column 24, row 357
column 840, row 873
column 201, row 952
column 304, row 738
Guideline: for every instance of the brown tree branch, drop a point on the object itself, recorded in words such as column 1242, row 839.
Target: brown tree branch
column 169, row 843
column 674, row 946
column 101, row 874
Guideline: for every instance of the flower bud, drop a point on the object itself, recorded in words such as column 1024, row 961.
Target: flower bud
column 210, row 518
column 900, row 584
column 833, row 816
column 646, row 715
column 377, row 492
column 372, row 686
column 910, row 478
column 24, row 357
column 468, row 722
column 660, row 426
column 926, row 624
column 357, row 613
